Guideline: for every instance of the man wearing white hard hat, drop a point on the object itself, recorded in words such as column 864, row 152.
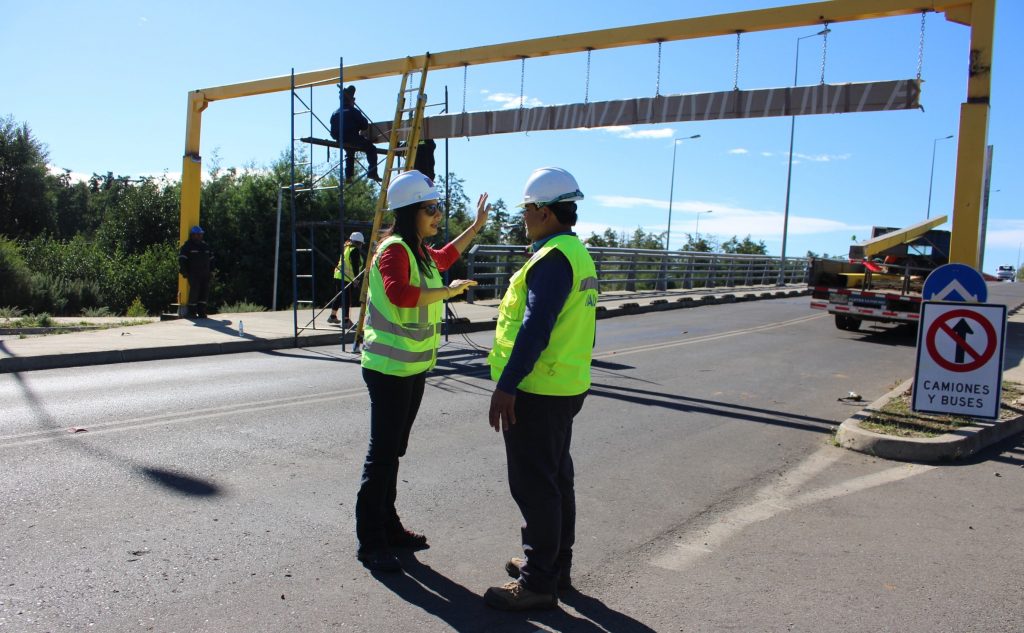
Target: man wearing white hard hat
column 350, row 264
column 401, row 337
column 541, row 362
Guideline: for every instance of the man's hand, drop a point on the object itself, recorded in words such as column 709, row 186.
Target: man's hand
column 503, row 410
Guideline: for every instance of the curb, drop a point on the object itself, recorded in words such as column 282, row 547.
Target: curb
column 246, row 344
column 963, row 442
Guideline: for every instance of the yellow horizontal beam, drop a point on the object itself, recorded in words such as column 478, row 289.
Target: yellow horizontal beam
column 674, row 30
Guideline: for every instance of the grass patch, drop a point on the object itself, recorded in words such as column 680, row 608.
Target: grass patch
column 896, row 417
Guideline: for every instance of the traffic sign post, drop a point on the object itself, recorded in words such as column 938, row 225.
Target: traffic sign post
column 959, row 359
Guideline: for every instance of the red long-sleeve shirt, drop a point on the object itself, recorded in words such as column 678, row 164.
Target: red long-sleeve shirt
column 394, row 268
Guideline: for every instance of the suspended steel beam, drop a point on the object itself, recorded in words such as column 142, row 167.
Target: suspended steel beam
column 670, row 31
column 730, row 104
column 978, row 14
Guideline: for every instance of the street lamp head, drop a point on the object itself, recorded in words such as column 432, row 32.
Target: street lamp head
column 824, row 31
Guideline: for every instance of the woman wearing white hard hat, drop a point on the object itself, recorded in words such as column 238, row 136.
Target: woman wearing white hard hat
column 400, row 341
column 350, row 264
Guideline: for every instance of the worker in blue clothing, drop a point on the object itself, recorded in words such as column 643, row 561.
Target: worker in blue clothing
column 195, row 263
column 351, row 137
column 541, row 361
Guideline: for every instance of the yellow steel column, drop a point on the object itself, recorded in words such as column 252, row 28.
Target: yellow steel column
column 191, row 183
column 965, row 246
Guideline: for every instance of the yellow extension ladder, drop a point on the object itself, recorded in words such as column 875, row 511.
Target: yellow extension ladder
column 405, row 138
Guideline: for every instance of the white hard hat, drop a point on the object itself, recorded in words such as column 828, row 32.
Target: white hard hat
column 410, row 187
column 356, row 237
column 548, row 185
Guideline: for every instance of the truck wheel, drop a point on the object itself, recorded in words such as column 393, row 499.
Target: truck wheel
column 848, row 323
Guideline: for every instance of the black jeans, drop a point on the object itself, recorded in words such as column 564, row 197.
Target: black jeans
column 198, row 291
column 394, row 402
column 541, row 479
column 358, row 143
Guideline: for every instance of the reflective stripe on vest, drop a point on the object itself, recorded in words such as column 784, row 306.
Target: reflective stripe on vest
column 563, row 368
column 400, row 341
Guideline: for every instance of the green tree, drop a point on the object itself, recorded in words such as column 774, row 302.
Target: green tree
column 703, row 244
column 26, row 207
column 744, row 247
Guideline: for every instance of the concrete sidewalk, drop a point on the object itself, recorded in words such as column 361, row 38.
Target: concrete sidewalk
column 256, row 331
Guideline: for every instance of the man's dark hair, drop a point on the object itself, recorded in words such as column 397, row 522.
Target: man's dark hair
column 565, row 212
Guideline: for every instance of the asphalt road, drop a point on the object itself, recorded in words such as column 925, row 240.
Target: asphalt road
column 216, row 494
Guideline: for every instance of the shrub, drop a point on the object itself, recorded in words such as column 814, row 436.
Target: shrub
column 136, row 309
column 10, row 312
column 100, row 311
column 241, row 306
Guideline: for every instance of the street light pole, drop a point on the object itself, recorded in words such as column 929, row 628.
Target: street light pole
column 672, row 186
column 789, row 171
column 697, row 228
column 931, row 178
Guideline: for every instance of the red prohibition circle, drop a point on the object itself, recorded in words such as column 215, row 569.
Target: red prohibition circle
column 990, row 347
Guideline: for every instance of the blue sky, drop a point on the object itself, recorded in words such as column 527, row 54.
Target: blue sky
column 104, row 85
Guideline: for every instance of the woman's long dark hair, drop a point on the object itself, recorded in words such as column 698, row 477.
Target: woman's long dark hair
column 405, row 228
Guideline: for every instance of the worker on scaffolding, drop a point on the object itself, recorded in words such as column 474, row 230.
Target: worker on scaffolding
column 347, row 126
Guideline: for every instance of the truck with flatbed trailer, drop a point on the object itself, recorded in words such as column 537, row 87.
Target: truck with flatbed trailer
column 883, row 277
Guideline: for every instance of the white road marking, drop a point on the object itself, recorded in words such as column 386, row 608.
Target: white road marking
column 774, row 499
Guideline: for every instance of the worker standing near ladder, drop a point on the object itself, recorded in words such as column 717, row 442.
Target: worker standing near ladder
column 401, row 337
column 541, row 362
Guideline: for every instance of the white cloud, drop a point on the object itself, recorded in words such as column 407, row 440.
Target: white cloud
column 509, row 101
column 820, row 158
column 1006, row 233
column 625, row 131
column 739, row 150
column 723, row 221
column 767, row 154
column 74, row 176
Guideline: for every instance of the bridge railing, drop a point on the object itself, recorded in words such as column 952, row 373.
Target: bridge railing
column 639, row 269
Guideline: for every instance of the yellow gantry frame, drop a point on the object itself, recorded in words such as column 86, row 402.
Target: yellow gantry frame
column 979, row 15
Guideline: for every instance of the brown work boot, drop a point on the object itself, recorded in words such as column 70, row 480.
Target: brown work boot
column 515, row 565
column 513, row 596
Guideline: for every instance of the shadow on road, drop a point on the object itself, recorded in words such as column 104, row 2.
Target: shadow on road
column 712, row 407
column 176, row 482
column 464, row 610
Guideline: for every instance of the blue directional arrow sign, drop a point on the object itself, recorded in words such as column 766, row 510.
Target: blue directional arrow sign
column 955, row 282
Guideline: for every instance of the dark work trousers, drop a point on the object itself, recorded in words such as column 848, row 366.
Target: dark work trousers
column 394, row 402
column 198, row 292
column 362, row 145
column 540, row 476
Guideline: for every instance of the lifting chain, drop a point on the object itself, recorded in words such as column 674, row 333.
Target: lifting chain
column 736, row 73
column 920, row 48
column 465, row 70
column 824, row 51
column 586, row 92
column 657, row 82
column 522, row 82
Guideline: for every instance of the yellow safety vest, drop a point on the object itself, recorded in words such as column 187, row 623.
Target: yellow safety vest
column 401, row 341
column 344, row 268
column 563, row 368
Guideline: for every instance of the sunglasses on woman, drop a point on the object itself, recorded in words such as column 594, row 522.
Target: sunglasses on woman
column 433, row 209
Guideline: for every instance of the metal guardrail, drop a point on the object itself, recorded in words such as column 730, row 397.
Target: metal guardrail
column 638, row 269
